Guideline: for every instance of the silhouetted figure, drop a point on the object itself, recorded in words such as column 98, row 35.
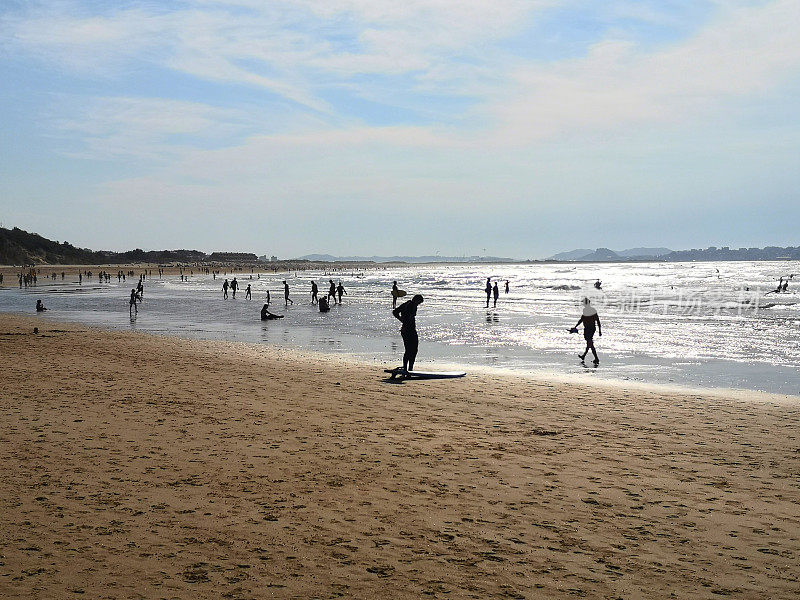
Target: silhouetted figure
column 314, row 292
column 488, row 290
column 324, row 305
column 332, row 291
column 134, row 299
column 590, row 320
column 268, row 316
column 234, row 287
column 340, row 290
column 506, row 286
column 598, row 285
column 495, row 294
column 406, row 313
column 395, row 291
column 225, row 287
column 248, row 295
column 39, row 306
column 268, row 298
column 286, row 298
column 785, row 285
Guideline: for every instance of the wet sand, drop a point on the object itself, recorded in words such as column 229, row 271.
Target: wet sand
column 137, row 466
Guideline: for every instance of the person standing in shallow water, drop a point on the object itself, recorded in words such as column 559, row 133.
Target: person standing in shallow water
column 495, row 293
column 406, row 313
column 488, row 290
column 590, row 321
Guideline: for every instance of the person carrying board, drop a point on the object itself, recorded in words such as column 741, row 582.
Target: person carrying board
column 406, row 313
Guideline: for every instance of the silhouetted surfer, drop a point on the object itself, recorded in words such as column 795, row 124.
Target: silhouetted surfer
column 406, row 313
column 395, row 289
column 590, row 320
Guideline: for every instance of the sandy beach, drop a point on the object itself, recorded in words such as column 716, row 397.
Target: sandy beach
column 137, row 466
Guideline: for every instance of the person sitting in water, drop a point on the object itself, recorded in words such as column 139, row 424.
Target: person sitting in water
column 598, row 285
column 268, row 316
column 590, row 320
column 39, row 306
column 324, row 305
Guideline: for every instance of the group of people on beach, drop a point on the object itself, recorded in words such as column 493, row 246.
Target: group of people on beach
column 492, row 291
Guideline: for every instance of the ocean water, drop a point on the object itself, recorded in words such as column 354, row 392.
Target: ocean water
column 708, row 325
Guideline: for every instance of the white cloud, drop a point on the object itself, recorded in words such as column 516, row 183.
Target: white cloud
column 747, row 50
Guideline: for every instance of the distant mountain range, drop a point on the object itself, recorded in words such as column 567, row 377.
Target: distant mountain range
column 604, row 254
column 406, row 259
column 18, row 247
column 665, row 254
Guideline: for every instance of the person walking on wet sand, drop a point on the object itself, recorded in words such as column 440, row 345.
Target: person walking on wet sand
column 286, row 298
column 248, row 295
column 488, row 290
column 225, row 290
column 406, row 313
column 234, row 287
column 590, row 320
column 340, row 290
column 314, row 292
column 132, row 308
column 332, row 291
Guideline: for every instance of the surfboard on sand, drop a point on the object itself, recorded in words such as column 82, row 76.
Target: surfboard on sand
column 398, row 293
column 399, row 372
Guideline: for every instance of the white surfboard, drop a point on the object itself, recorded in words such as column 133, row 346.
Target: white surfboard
column 399, row 372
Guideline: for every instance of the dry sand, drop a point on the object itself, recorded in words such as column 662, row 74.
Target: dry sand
column 136, row 466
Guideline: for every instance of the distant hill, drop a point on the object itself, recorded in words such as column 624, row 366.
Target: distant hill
column 406, row 259
column 604, row 254
column 572, row 254
column 643, row 252
column 18, row 247
column 726, row 253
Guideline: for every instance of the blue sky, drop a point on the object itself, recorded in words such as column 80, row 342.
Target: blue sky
column 514, row 128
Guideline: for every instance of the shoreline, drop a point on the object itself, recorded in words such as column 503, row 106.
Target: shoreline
column 138, row 465
column 534, row 375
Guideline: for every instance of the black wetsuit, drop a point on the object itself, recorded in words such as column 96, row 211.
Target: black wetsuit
column 407, row 314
